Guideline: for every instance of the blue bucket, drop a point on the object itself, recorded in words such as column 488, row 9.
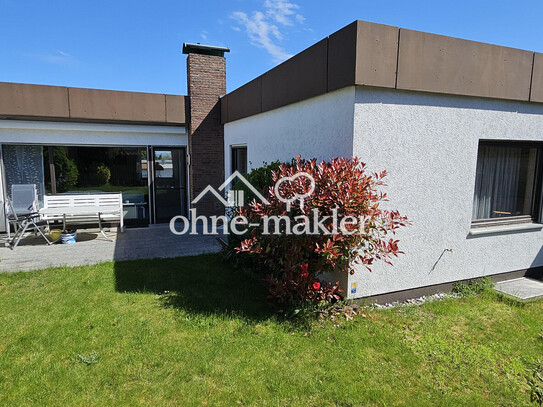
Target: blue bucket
column 67, row 238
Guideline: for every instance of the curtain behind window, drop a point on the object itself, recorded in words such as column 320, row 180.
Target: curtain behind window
column 504, row 181
column 24, row 165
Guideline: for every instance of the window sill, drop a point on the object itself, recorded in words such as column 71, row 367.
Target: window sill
column 511, row 228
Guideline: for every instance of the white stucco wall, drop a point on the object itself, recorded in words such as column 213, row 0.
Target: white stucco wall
column 428, row 144
column 320, row 127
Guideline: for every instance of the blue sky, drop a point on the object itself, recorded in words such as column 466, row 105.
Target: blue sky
column 136, row 45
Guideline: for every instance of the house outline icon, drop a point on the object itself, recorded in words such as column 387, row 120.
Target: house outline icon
column 219, row 196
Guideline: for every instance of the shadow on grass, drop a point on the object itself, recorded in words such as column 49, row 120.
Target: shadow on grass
column 200, row 284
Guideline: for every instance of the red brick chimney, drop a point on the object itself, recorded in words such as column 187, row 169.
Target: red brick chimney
column 206, row 82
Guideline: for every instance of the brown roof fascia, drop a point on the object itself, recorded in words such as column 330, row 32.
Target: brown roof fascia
column 369, row 54
column 43, row 102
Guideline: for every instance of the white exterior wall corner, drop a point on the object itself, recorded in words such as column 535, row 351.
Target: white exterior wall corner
column 320, row 127
column 428, row 145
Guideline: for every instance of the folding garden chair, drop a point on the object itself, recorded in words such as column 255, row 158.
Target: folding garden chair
column 23, row 213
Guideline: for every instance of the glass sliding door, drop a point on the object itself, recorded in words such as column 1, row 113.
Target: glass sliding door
column 81, row 170
column 169, row 184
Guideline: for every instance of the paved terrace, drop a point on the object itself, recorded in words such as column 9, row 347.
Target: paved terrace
column 142, row 243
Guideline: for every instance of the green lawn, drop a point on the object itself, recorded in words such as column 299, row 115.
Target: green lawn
column 108, row 335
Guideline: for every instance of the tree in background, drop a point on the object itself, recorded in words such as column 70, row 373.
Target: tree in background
column 66, row 172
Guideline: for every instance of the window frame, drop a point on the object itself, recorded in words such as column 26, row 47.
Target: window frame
column 235, row 147
column 536, row 211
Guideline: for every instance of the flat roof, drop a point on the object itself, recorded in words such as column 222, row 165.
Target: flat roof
column 20, row 100
column 377, row 55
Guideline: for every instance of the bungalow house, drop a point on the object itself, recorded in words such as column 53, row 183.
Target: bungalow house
column 457, row 124
column 158, row 150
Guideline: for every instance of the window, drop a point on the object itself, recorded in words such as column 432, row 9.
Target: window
column 239, row 159
column 508, row 183
column 79, row 170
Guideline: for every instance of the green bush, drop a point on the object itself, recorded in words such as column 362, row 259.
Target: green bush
column 101, row 173
column 260, row 178
column 95, row 175
column 473, row 287
column 294, row 265
column 66, row 172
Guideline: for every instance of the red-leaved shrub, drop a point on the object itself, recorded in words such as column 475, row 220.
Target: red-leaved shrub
column 292, row 264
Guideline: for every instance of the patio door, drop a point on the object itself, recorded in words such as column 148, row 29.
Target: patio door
column 169, row 182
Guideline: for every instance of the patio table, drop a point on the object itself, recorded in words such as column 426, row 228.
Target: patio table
column 81, row 212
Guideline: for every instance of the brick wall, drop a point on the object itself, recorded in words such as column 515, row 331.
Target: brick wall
column 206, row 82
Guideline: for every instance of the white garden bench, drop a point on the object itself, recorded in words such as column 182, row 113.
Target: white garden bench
column 84, row 208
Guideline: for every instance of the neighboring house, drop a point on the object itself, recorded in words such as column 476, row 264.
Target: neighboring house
column 457, row 124
column 158, row 150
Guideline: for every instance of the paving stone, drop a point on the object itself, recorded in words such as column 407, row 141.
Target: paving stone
column 142, row 243
column 523, row 289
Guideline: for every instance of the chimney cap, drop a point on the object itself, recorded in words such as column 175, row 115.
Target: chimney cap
column 189, row 48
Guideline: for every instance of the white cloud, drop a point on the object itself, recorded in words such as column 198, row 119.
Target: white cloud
column 281, row 10
column 59, row 57
column 262, row 26
column 203, row 34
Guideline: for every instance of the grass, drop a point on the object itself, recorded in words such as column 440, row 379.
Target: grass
column 190, row 331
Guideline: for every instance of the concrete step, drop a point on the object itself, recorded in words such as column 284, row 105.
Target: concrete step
column 521, row 289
